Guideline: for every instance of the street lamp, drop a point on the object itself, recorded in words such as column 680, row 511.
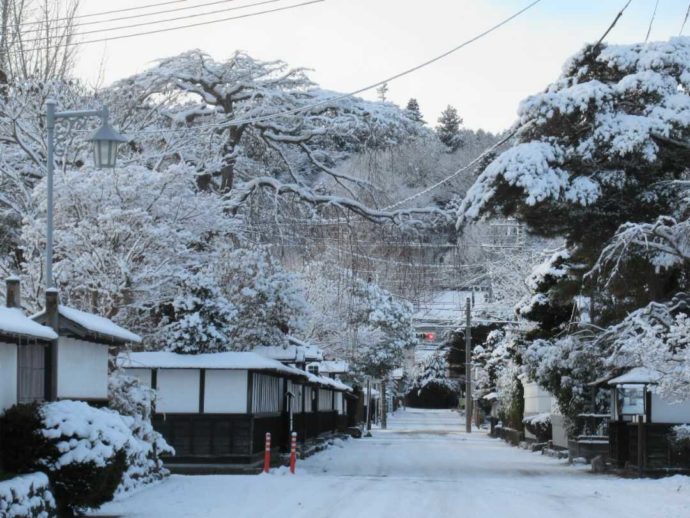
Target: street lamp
column 105, row 143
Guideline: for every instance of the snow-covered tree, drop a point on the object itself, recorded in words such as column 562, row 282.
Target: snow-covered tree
column 413, row 111
column 431, row 385
column 268, row 300
column 598, row 158
column 448, row 128
column 249, row 125
column 200, row 319
column 124, row 239
column 385, row 330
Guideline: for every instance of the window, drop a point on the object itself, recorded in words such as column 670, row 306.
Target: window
column 631, row 400
column 313, row 369
column 267, row 394
column 31, row 373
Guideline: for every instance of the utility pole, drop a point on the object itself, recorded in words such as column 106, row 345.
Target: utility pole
column 468, row 368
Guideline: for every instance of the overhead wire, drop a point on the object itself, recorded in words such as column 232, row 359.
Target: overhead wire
column 136, row 16
column 166, row 20
column 310, row 106
column 114, row 11
column 170, row 29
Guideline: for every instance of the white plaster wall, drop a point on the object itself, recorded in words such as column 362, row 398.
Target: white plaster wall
column 178, row 391
column 339, row 403
column 537, row 400
column 8, row 375
column 665, row 412
column 225, row 392
column 143, row 375
column 82, row 369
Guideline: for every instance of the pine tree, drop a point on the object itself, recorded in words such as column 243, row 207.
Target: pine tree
column 200, row 319
column 448, row 129
column 598, row 160
column 413, row 112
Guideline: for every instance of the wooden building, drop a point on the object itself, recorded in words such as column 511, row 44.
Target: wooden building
column 216, row 408
column 641, row 423
column 24, row 354
column 79, row 359
column 60, row 353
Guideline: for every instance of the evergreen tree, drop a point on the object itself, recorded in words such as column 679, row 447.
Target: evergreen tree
column 413, row 112
column 448, row 129
column 199, row 319
column 598, row 159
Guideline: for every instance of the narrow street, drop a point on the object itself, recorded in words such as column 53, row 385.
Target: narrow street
column 424, row 465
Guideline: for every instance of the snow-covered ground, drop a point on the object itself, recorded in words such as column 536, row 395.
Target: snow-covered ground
column 423, row 466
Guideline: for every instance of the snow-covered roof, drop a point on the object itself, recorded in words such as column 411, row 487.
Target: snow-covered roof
column 295, row 352
column 638, row 375
column 14, row 322
column 221, row 361
column 218, row 361
column 327, row 382
column 95, row 324
column 334, row 366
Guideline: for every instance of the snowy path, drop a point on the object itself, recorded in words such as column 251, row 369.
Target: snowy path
column 424, row 466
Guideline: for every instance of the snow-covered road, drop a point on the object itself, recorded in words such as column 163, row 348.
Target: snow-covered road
column 424, row 466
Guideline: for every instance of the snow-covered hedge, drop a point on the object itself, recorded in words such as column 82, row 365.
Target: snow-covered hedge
column 26, row 496
column 539, row 425
column 134, row 402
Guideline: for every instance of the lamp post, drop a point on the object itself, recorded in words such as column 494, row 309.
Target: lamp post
column 105, row 143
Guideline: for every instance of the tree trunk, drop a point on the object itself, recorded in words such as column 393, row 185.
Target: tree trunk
column 384, row 406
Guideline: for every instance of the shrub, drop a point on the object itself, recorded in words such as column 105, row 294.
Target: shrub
column 432, row 395
column 539, row 425
column 21, row 443
column 80, row 448
column 26, row 496
column 134, row 401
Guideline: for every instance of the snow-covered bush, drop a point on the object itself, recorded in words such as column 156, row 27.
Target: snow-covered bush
column 27, row 496
column 431, row 387
column 199, row 319
column 81, row 449
column 268, row 300
column 539, row 425
column 134, row 401
column 89, row 456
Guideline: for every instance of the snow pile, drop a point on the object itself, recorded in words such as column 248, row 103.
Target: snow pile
column 83, row 434
column 26, row 496
column 134, row 401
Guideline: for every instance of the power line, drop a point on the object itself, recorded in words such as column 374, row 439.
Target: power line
column 103, row 13
column 292, row 111
column 138, row 15
column 158, row 22
column 169, row 29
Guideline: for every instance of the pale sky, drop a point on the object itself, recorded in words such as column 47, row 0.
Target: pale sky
column 352, row 43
